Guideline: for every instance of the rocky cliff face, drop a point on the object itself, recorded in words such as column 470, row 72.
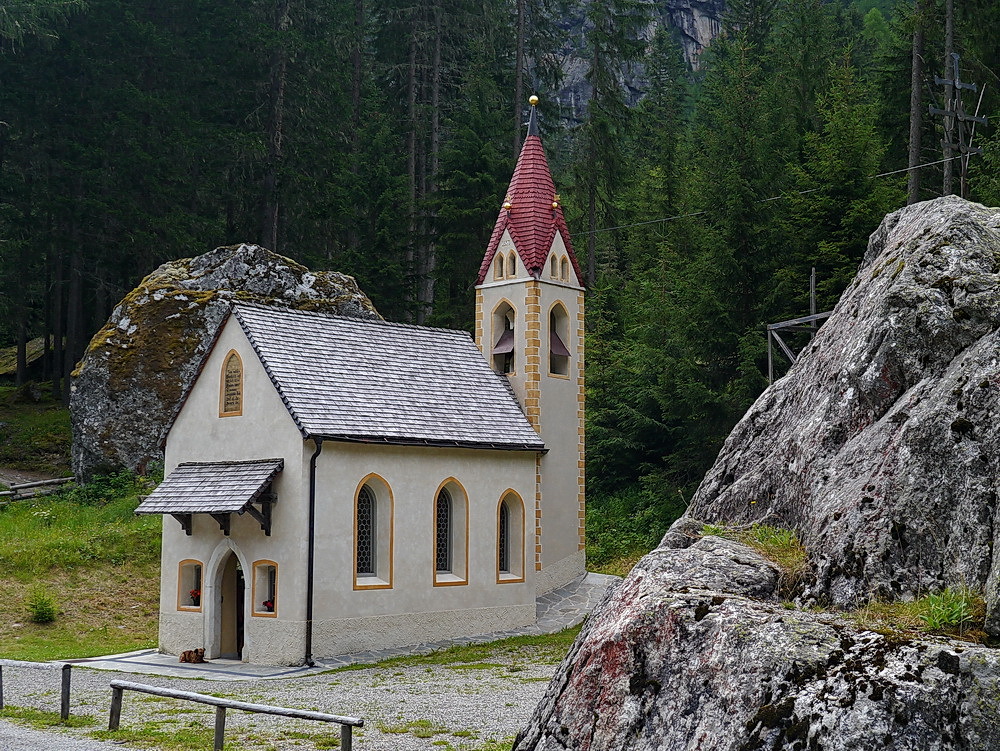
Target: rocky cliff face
column 694, row 652
column 882, row 444
column 695, row 23
column 137, row 367
column 880, row 447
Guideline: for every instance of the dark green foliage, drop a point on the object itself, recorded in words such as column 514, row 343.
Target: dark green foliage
column 41, row 607
column 132, row 134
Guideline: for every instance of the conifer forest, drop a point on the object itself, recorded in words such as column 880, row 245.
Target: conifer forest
column 378, row 138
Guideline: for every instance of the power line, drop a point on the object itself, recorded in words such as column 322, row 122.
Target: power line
column 763, row 200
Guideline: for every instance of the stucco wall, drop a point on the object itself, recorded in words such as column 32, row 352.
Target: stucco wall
column 413, row 606
column 414, row 476
column 264, row 430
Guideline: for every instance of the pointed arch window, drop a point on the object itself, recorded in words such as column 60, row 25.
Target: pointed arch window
column 564, row 269
column 510, row 538
column 442, row 539
column 498, row 267
column 558, row 336
column 503, row 338
column 451, row 527
column 367, row 537
column 554, row 267
column 512, row 264
column 503, row 541
column 231, row 386
column 373, row 534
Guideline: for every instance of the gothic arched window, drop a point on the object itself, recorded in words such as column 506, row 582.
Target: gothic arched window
column 231, row 396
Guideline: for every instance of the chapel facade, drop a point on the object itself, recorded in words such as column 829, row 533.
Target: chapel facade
column 336, row 485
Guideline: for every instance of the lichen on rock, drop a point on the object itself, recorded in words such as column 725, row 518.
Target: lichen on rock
column 881, row 448
column 137, row 367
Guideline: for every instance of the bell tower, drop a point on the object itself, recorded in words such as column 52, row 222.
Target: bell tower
column 529, row 325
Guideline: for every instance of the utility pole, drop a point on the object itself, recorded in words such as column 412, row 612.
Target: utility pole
column 957, row 122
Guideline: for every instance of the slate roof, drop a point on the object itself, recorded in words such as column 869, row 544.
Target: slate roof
column 211, row 487
column 531, row 219
column 374, row 381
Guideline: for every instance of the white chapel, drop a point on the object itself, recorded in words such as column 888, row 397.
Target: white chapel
column 336, row 485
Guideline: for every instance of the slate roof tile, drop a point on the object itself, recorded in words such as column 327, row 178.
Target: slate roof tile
column 368, row 380
column 211, row 487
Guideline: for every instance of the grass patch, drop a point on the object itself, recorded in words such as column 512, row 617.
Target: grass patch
column 34, row 430
column 957, row 612
column 193, row 736
column 79, row 526
column 620, row 566
column 42, row 719
column 780, row 546
column 419, row 728
column 544, row 648
column 96, row 563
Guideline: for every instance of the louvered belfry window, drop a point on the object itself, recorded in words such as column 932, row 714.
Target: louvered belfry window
column 442, row 541
column 503, row 539
column 366, row 531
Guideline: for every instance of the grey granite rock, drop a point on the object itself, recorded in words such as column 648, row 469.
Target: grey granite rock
column 881, row 446
column 692, row 652
column 135, row 370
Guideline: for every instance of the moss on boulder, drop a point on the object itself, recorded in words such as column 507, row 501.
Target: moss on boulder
column 137, row 367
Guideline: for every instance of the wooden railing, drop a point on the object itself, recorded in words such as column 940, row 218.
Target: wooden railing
column 118, row 688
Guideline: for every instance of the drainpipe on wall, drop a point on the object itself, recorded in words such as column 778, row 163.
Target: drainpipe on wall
column 312, row 551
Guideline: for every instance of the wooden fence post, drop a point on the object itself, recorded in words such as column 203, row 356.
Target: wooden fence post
column 220, row 727
column 64, row 702
column 346, row 739
column 1, row 688
column 115, row 716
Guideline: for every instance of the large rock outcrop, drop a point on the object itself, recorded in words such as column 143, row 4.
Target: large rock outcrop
column 880, row 447
column 132, row 376
column 694, row 652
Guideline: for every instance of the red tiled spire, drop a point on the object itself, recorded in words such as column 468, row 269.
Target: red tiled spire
column 530, row 211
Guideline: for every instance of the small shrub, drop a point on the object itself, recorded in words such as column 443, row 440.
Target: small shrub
column 41, row 607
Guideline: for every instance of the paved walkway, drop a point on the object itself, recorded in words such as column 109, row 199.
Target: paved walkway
column 554, row 611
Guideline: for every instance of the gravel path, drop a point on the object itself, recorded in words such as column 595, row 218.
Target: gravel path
column 480, row 702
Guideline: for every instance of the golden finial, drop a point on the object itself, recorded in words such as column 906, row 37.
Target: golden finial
column 533, row 100
column 507, row 205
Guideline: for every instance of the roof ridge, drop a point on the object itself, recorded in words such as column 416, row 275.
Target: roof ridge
column 340, row 317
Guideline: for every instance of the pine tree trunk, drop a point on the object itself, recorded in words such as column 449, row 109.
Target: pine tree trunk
column 949, row 73
column 357, row 71
column 74, row 315
column 916, row 110
column 279, row 72
column 411, row 170
column 58, row 320
column 429, row 264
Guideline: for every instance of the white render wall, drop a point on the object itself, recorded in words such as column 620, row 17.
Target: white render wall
column 414, row 610
column 264, row 430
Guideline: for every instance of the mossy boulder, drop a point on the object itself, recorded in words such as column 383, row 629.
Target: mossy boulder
column 129, row 383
